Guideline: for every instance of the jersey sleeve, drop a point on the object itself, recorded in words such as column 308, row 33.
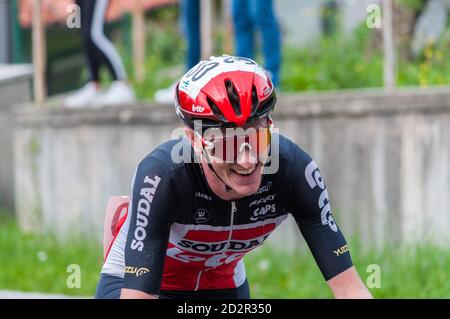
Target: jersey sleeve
column 311, row 209
column 152, row 206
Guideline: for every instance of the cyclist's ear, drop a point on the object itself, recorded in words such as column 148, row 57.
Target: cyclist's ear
column 190, row 134
column 195, row 141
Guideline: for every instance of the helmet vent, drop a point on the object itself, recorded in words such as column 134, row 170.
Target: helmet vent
column 255, row 101
column 267, row 105
column 233, row 97
column 215, row 109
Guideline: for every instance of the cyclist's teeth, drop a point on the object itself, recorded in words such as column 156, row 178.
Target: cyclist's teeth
column 245, row 172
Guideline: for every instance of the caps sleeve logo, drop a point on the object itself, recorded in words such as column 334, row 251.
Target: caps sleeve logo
column 201, row 216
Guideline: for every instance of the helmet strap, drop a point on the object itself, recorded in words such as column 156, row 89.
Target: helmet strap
column 227, row 187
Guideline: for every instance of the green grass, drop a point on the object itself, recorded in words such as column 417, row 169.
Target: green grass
column 39, row 263
column 409, row 272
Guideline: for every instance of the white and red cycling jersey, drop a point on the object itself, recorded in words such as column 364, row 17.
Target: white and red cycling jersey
column 179, row 235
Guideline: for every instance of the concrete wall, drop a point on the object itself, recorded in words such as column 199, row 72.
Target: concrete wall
column 385, row 158
column 15, row 87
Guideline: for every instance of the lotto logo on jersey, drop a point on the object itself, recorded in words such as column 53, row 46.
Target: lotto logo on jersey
column 208, row 260
column 314, row 179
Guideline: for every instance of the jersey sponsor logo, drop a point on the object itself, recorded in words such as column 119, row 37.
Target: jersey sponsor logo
column 202, row 195
column 213, row 254
column 262, row 200
column 341, row 250
column 314, row 179
column 232, row 245
column 264, row 212
column 201, row 216
column 264, row 188
column 143, row 211
column 135, row 270
column 209, row 261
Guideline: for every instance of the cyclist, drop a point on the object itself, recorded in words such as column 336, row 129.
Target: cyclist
column 191, row 221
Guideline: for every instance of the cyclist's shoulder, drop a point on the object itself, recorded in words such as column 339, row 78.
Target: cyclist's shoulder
column 298, row 171
column 291, row 152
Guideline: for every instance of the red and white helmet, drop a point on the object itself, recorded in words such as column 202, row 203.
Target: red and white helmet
column 226, row 91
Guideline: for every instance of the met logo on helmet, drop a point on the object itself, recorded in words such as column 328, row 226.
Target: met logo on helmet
column 267, row 90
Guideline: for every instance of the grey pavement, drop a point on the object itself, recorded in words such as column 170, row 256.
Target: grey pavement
column 10, row 294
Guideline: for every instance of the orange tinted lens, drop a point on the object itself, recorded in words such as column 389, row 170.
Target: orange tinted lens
column 256, row 141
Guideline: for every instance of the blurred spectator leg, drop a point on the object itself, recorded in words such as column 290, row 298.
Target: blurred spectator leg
column 100, row 51
column 190, row 22
column 243, row 28
column 119, row 92
column 91, row 90
column 263, row 17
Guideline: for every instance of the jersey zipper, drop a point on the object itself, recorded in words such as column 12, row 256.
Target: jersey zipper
column 233, row 211
column 198, row 280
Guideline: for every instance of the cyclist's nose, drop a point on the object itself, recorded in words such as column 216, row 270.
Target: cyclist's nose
column 247, row 158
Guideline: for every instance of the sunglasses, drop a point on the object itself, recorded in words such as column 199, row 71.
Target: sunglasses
column 229, row 144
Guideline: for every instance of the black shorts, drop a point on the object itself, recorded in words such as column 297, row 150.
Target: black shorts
column 109, row 287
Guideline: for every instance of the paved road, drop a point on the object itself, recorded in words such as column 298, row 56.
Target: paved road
column 9, row 294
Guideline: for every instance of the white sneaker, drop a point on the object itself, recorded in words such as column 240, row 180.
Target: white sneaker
column 167, row 95
column 118, row 93
column 82, row 97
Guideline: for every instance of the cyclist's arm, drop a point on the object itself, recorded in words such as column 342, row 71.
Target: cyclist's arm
column 136, row 294
column 348, row 284
column 153, row 198
column 312, row 211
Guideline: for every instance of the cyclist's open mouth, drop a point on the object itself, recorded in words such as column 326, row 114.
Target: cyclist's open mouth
column 244, row 172
column 247, row 176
